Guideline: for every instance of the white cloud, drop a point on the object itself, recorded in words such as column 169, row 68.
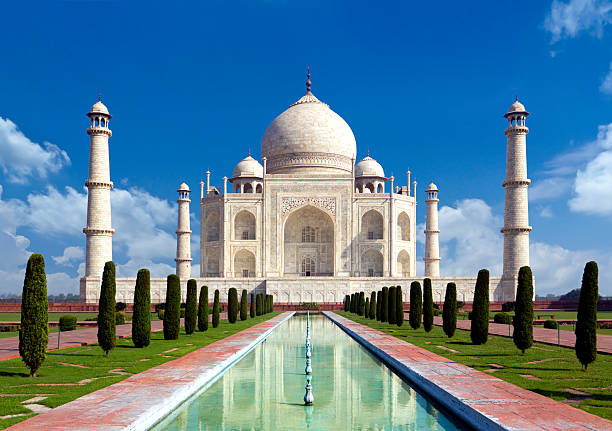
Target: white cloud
column 550, row 189
column 71, row 254
column 567, row 20
column 20, row 158
column 546, row 212
column 606, row 85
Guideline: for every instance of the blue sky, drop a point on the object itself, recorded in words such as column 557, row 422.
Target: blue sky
column 192, row 86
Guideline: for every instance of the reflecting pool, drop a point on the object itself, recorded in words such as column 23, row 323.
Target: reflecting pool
column 265, row 390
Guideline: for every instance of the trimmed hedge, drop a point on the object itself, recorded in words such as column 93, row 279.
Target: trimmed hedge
column 120, row 319
column 378, row 305
column 252, row 306
column 259, row 304
column 203, row 309
column 141, row 318
column 361, row 304
column 191, row 307
column 399, row 313
column 384, row 307
column 416, row 305
column 523, row 310
column 366, row 312
column 215, row 316
column 479, row 332
column 449, row 312
column 373, row 306
column 243, row 305
column 586, row 325
column 427, row 305
column 551, row 324
column 392, row 305
column 172, row 314
column 502, row 318
column 106, row 309
column 67, row 322
column 232, row 305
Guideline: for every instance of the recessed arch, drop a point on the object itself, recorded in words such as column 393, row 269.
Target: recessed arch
column 372, row 263
column 403, row 263
column 372, row 225
column 244, row 225
column 244, row 264
column 403, row 227
column 212, row 226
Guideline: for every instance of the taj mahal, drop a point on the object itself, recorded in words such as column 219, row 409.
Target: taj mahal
column 308, row 223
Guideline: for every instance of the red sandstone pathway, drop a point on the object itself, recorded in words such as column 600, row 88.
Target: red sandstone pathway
column 541, row 335
column 9, row 347
column 471, row 392
column 143, row 399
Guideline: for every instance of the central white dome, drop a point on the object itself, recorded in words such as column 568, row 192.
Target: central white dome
column 309, row 138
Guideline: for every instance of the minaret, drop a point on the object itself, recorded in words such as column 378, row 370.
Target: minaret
column 183, row 234
column 99, row 233
column 432, row 247
column 516, row 214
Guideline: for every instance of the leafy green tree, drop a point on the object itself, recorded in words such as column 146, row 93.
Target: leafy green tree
column 172, row 313
column 203, row 309
column 399, row 313
column 252, row 307
column 106, row 309
column 243, row 305
column 373, row 306
column 259, row 304
column 480, row 309
column 232, row 305
column 34, row 333
column 449, row 313
column 392, row 305
column 416, row 305
column 141, row 318
column 215, row 316
column 427, row 305
column 191, row 307
column 586, row 325
column 384, row 306
column 378, row 305
column 523, row 310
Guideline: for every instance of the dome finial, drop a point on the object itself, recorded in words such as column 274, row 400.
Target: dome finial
column 516, row 97
column 368, row 153
column 308, row 83
column 99, row 97
column 249, row 151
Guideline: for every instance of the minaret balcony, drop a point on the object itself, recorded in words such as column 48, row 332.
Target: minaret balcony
column 516, row 183
column 99, row 131
column 525, row 229
column 512, row 130
column 102, row 184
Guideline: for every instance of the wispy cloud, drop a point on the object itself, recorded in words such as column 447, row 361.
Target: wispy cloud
column 567, row 20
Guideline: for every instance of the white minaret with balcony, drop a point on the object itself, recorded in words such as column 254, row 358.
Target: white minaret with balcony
column 516, row 214
column 432, row 232
column 99, row 233
column 183, row 234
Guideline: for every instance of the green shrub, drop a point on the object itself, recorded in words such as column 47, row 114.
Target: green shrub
column 449, row 312
column 373, row 306
column 551, row 324
column 67, row 322
column 34, row 333
column 203, row 309
column 252, row 307
column 508, row 306
column 106, row 309
column 160, row 314
column 436, row 312
column 586, row 325
column 270, row 303
column 119, row 318
column 191, row 307
column 416, row 305
column 503, row 318
column 392, row 305
column 259, row 304
column 399, row 312
column 460, row 305
column 243, row 305
column 120, row 306
column 352, row 303
column 427, row 305
column 523, row 314
column 232, row 305
column 378, row 305
column 308, row 306
column 384, row 307
column 366, row 311
column 141, row 318
column 215, row 316
column 479, row 332
column 172, row 316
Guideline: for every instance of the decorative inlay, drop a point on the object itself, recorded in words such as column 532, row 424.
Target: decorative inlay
column 328, row 204
column 309, row 159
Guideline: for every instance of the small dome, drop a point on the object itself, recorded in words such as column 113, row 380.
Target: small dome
column 183, row 188
column 99, row 108
column 368, row 167
column 432, row 188
column 248, row 167
column 516, row 107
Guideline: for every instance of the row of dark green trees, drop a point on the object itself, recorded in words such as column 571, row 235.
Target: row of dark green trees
column 34, row 330
column 386, row 305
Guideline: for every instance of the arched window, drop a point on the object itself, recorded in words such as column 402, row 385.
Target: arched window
column 403, row 264
column 248, row 188
column 403, row 227
column 244, row 225
column 212, row 227
column 308, row 234
column 308, row 266
column 381, row 188
column 372, row 225
column 369, row 187
column 258, row 189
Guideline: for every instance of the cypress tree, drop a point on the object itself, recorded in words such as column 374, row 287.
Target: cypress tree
column 243, row 305
column 141, row 318
column 172, row 313
column 480, row 309
column 258, row 304
column 252, row 307
column 373, row 305
column 392, row 305
column 203, row 309
column 34, row 333
column 232, row 305
column 586, row 325
column 449, row 313
column 427, row 305
column 271, row 303
column 366, row 313
column 215, row 316
column 361, row 303
column 347, row 301
column 378, row 305
column 106, row 309
column 266, row 304
column 384, row 306
column 352, row 304
column 523, row 310
column 399, row 314
column 191, row 307
column 416, row 305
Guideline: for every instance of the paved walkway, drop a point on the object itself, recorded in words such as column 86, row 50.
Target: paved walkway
column 541, row 335
column 9, row 347
column 141, row 400
column 482, row 400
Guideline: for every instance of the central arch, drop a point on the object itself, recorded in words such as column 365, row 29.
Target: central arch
column 308, row 243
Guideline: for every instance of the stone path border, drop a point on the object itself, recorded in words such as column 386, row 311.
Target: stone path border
column 482, row 401
column 142, row 400
column 541, row 335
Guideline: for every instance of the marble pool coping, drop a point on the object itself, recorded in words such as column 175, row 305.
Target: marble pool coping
column 480, row 400
column 144, row 399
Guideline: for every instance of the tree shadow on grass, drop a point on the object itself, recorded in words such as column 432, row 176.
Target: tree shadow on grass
column 13, row 374
column 79, row 354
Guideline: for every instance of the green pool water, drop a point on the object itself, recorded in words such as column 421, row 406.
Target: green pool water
column 265, row 390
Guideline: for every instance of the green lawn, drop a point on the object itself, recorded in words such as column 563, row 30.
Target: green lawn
column 53, row 317
column 16, row 334
column 556, row 367
column 86, row 369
